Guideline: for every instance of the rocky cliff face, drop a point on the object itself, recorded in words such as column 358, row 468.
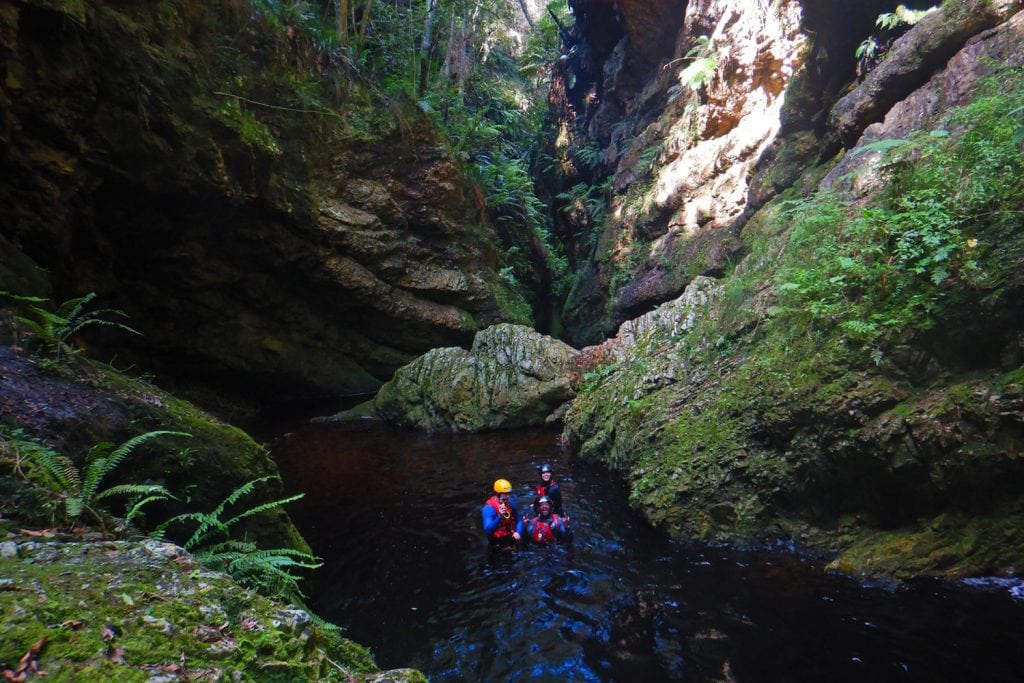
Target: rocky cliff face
column 179, row 161
column 853, row 382
column 683, row 119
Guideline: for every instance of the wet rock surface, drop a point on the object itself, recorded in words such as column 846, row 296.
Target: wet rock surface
column 906, row 464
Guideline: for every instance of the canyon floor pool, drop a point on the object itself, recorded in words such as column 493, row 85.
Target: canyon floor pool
column 407, row 572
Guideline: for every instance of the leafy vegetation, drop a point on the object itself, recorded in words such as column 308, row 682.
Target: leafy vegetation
column 79, row 488
column 927, row 242
column 758, row 422
column 703, row 64
column 56, row 329
column 253, row 132
column 466, row 65
column 901, row 18
column 268, row 571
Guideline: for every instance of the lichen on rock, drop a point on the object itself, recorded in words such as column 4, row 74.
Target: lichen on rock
column 511, row 377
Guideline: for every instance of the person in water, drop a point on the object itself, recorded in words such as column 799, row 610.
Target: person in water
column 548, row 487
column 547, row 527
column 501, row 523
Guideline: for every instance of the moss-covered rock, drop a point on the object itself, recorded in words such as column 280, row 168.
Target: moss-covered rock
column 144, row 611
column 854, row 386
column 75, row 404
column 511, row 377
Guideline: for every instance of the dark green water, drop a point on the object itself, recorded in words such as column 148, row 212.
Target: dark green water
column 408, row 573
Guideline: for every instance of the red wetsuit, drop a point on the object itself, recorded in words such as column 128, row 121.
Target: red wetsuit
column 506, row 525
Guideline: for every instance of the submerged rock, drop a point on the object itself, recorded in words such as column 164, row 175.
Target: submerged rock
column 511, row 377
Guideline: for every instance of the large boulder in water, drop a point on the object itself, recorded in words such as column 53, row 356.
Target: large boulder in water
column 512, row 376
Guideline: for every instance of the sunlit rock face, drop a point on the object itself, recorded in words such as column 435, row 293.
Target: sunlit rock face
column 695, row 134
column 912, row 60
column 511, row 377
column 267, row 248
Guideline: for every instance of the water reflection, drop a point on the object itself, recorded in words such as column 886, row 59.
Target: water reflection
column 408, row 573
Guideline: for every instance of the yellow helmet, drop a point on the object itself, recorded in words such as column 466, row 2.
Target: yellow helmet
column 502, row 486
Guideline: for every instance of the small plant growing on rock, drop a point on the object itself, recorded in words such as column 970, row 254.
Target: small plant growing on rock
column 268, row 571
column 55, row 329
column 893, row 24
column 80, row 488
column 701, row 69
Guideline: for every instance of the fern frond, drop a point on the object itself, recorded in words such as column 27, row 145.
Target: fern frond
column 35, row 327
column 210, row 522
column 243, row 490
column 93, row 318
column 133, row 490
column 74, row 506
column 70, row 476
column 266, row 571
column 262, row 508
column 183, row 518
column 95, row 469
column 128, row 446
column 134, row 509
column 21, row 297
column 228, row 546
column 99, row 467
column 885, row 145
column 47, row 460
column 72, row 308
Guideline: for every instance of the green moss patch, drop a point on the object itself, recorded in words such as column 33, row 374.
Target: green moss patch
column 129, row 611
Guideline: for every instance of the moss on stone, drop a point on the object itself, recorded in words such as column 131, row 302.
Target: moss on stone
column 950, row 545
column 129, row 611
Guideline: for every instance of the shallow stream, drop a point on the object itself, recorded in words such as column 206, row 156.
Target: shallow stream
column 396, row 517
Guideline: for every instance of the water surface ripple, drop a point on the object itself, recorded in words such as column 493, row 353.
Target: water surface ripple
column 395, row 515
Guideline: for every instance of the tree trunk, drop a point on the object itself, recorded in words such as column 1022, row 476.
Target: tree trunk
column 425, row 46
column 451, row 57
column 464, row 52
column 342, row 9
column 526, row 13
column 364, row 28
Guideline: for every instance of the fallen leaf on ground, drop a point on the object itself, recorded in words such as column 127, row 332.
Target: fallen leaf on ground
column 42, row 533
column 29, row 662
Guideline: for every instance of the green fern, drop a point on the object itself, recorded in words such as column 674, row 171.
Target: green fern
column 702, row 69
column 55, row 329
column 80, row 490
column 268, row 571
column 264, row 570
column 699, row 72
column 210, row 525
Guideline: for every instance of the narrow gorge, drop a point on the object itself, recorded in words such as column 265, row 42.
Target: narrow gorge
column 761, row 262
